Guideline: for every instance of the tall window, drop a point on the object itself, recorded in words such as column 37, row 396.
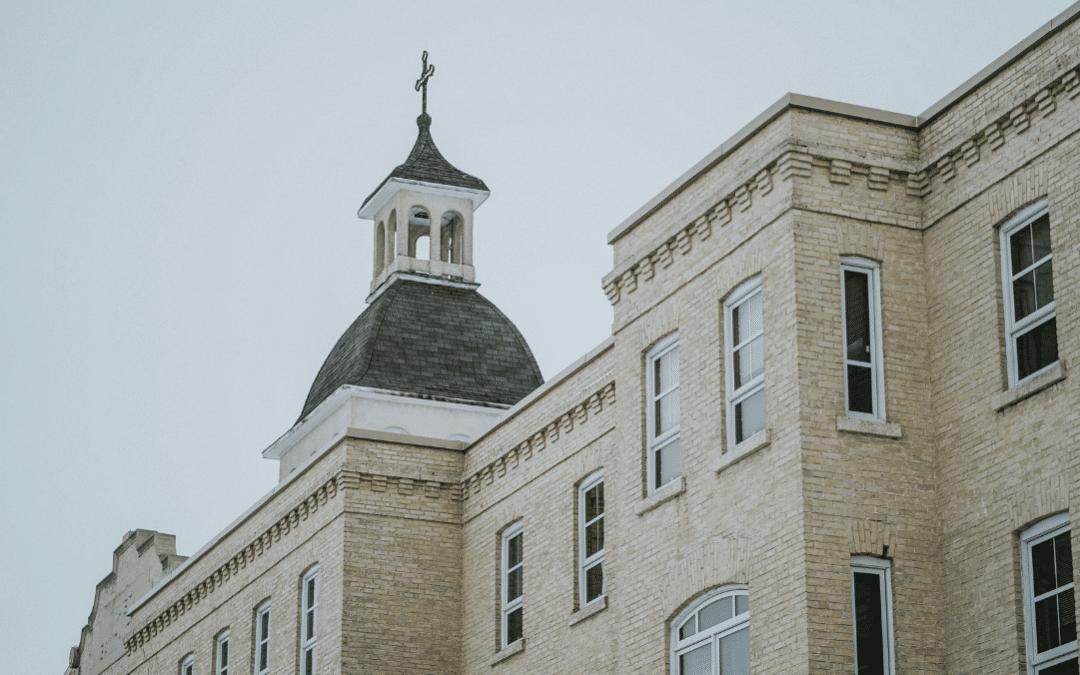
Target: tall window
column 309, row 632
column 745, row 358
column 591, row 537
column 662, row 412
column 187, row 666
column 1049, row 603
column 871, row 593
column 712, row 636
column 262, row 639
column 221, row 660
column 864, row 388
column 1028, row 271
column 513, row 571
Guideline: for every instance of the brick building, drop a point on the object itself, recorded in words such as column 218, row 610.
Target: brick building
column 832, row 430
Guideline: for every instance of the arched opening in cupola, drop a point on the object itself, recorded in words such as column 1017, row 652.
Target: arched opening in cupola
column 452, row 236
column 419, row 231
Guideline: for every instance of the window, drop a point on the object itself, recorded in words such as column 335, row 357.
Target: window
column 591, row 538
column 222, row 657
column 871, row 594
column 1028, row 281
column 262, row 639
column 1049, row 604
column 513, row 571
column 309, row 632
column 663, row 409
column 745, row 359
column 712, row 636
column 187, row 666
column 864, row 384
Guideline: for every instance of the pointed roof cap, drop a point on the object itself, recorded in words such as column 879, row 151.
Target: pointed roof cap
column 425, row 165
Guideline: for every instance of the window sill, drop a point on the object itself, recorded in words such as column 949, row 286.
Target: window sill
column 878, row 428
column 508, row 652
column 1055, row 374
column 589, row 610
column 743, row 450
column 668, row 492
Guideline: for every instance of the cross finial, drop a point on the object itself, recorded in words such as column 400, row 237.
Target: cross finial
column 425, row 74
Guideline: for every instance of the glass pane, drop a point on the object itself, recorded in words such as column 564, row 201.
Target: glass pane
column 1040, row 237
column 310, row 624
column 594, row 538
column 1067, row 615
column 668, row 410
column 742, row 604
column 860, row 390
column 262, row 656
column 513, row 584
column 746, row 319
column 594, row 582
column 869, row 631
column 749, row 416
column 1069, row 667
column 594, row 502
column 513, row 626
column 735, row 653
column 309, row 662
column 857, row 315
column 1036, row 348
column 1063, row 555
column 311, row 592
column 513, row 551
column 224, row 657
column 718, row 612
column 749, row 361
column 668, row 463
column 1023, row 296
column 1043, row 569
column 666, row 374
column 688, row 628
column 697, row 661
column 265, row 625
column 1020, row 245
column 1044, row 284
column 1047, row 634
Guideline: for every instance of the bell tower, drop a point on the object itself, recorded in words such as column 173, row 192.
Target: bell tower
column 423, row 214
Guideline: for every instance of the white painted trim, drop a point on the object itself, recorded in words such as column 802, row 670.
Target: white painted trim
column 510, row 605
column 309, row 621
column 877, row 359
column 742, row 294
column 1046, row 528
column 597, row 559
column 1013, row 328
column 713, row 634
column 262, row 637
column 883, row 570
column 391, row 187
column 222, row 644
column 187, row 665
column 406, row 275
column 655, row 443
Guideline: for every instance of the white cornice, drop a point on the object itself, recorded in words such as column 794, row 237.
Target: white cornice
column 391, row 187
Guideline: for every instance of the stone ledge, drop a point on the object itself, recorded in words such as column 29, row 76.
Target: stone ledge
column 1009, row 397
column 743, row 450
column 878, row 428
column 589, row 610
column 508, row 653
column 669, row 492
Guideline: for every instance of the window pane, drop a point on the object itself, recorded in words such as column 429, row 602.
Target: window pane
column 1067, row 615
column 668, row 410
column 688, row 628
column 594, row 502
column 513, row 584
column 697, row 661
column 1047, row 633
column 1063, row 556
column 1040, row 237
column 666, row 374
column 594, row 582
column 223, row 660
column 735, row 653
column 860, row 390
column 513, row 626
column 513, row 551
column 746, row 319
column 717, row 612
column 1065, row 668
column 1044, row 284
column 742, row 604
column 1043, row 568
column 1024, row 296
column 749, row 416
column 668, row 463
column 311, row 592
column 749, row 361
column 869, row 632
column 857, row 315
column 1036, row 348
column 594, row 538
column 310, row 624
column 1020, row 245
column 309, row 662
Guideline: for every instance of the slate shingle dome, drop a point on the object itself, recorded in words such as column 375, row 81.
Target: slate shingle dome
column 431, row 340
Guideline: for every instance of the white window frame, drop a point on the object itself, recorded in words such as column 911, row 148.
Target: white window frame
column 881, row 568
column 712, row 634
column 1036, row 534
column 1015, row 329
column 734, row 397
column 672, row 435
column 309, row 622
column 221, row 654
column 262, row 638
column 586, row 563
column 877, row 363
column 509, row 606
column 187, row 665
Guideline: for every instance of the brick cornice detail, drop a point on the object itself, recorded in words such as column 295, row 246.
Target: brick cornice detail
column 216, row 579
column 539, row 440
column 404, row 485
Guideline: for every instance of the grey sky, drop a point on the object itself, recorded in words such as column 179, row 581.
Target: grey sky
column 179, row 182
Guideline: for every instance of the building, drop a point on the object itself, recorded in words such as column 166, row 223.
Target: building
column 833, row 429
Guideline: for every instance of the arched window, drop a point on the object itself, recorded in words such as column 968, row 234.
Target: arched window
column 380, row 247
column 452, row 233
column 712, row 635
column 419, row 232
column 391, row 238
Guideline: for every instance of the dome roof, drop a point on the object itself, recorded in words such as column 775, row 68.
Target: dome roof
column 431, row 340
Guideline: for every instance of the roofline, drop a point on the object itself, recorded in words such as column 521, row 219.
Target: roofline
column 792, row 100
column 392, row 185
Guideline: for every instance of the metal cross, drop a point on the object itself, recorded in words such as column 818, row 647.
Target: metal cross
column 427, row 72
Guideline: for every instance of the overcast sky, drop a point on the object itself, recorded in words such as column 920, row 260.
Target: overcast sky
column 179, row 181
